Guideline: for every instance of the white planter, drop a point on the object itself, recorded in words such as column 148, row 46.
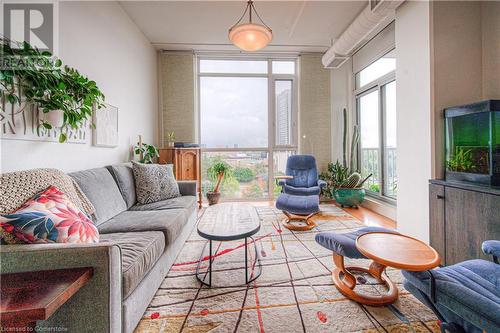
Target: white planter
column 54, row 117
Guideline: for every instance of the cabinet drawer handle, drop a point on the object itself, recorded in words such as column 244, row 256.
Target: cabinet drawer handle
column 439, row 196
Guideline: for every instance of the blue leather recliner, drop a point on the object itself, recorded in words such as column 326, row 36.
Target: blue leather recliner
column 299, row 199
column 464, row 296
column 304, row 174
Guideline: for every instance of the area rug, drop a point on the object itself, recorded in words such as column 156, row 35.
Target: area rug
column 294, row 293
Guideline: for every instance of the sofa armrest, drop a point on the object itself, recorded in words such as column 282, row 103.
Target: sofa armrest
column 188, row 187
column 97, row 307
column 492, row 247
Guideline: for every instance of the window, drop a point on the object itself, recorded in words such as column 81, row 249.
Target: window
column 376, row 109
column 234, row 112
column 247, row 110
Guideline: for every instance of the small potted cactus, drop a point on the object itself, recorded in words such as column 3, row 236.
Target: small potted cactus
column 351, row 192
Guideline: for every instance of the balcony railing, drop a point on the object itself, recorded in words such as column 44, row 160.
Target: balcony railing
column 370, row 164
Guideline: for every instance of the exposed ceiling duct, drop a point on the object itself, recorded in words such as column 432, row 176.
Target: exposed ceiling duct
column 367, row 24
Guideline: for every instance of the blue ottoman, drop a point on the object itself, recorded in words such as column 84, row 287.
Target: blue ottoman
column 298, row 208
column 344, row 245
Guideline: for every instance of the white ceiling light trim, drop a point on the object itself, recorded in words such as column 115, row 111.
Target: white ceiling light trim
column 250, row 36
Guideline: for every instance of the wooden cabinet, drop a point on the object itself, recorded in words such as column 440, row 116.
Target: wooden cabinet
column 462, row 216
column 187, row 164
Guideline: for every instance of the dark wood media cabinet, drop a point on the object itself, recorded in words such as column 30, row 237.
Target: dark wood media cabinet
column 462, row 216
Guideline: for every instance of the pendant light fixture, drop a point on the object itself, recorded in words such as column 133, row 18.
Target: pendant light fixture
column 250, row 36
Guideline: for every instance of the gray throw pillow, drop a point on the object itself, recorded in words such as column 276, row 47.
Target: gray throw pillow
column 154, row 182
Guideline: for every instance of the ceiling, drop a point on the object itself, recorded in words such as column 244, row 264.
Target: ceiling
column 203, row 25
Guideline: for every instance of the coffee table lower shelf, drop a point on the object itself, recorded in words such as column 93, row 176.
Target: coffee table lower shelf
column 202, row 276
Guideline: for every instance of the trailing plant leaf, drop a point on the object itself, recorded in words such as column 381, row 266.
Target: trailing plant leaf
column 39, row 78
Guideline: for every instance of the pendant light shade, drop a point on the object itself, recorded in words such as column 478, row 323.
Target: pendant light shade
column 250, row 36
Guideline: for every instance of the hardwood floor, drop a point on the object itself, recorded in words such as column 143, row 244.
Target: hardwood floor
column 371, row 218
column 365, row 215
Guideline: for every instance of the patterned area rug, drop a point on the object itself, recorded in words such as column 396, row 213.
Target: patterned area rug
column 295, row 292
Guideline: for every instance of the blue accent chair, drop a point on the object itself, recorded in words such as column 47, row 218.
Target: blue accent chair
column 304, row 174
column 464, row 296
column 299, row 199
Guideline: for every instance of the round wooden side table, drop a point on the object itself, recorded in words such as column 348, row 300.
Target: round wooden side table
column 393, row 250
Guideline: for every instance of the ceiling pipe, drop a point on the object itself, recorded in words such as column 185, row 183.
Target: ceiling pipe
column 366, row 25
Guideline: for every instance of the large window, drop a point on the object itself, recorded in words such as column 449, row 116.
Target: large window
column 248, row 118
column 376, row 108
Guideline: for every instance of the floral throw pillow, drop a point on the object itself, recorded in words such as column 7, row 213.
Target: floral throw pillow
column 49, row 217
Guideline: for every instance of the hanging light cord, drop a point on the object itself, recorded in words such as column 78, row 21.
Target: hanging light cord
column 251, row 6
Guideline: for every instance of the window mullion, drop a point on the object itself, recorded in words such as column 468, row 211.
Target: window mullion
column 381, row 139
column 271, row 127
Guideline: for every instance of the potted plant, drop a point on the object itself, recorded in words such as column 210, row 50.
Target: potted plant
column 170, row 139
column 351, row 193
column 217, row 172
column 65, row 98
column 344, row 182
column 147, row 153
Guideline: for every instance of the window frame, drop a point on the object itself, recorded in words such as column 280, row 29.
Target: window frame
column 272, row 147
column 379, row 86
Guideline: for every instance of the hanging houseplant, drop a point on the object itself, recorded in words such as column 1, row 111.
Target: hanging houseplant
column 33, row 77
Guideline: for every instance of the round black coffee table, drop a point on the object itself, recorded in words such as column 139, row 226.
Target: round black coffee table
column 228, row 222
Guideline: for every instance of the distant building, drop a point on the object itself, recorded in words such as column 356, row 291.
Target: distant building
column 284, row 117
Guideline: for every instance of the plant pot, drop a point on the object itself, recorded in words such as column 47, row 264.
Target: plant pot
column 54, row 117
column 350, row 197
column 171, row 144
column 213, row 198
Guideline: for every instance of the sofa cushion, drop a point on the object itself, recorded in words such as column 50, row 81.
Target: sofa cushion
column 470, row 289
column 154, row 182
column 186, row 201
column 140, row 251
column 101, row 189
column 170, row 222
column 50, row 217
column 124, row 177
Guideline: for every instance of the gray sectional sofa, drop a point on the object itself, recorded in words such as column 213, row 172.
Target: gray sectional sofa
column 138, row 244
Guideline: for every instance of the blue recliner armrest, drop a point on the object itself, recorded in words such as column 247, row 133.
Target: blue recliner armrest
column 321, row 183
column 492, row 247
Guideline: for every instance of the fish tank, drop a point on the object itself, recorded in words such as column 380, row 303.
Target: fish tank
column 473, row 142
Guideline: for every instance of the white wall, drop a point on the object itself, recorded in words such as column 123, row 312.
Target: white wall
column 100, row 40
column 315, row 110
column 413, row 117
column 491, row 49
column 341, row 91
column 454, row 24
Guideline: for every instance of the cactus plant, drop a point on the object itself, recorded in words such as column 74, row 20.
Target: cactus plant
column 344, row 139
column 352, row 181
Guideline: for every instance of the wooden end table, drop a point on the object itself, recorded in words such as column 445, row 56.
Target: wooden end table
column 30, row 296
column 387, row 250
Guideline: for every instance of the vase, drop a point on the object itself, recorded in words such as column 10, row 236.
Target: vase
column 213, row 198
column 170, row 144
column 349, row 197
